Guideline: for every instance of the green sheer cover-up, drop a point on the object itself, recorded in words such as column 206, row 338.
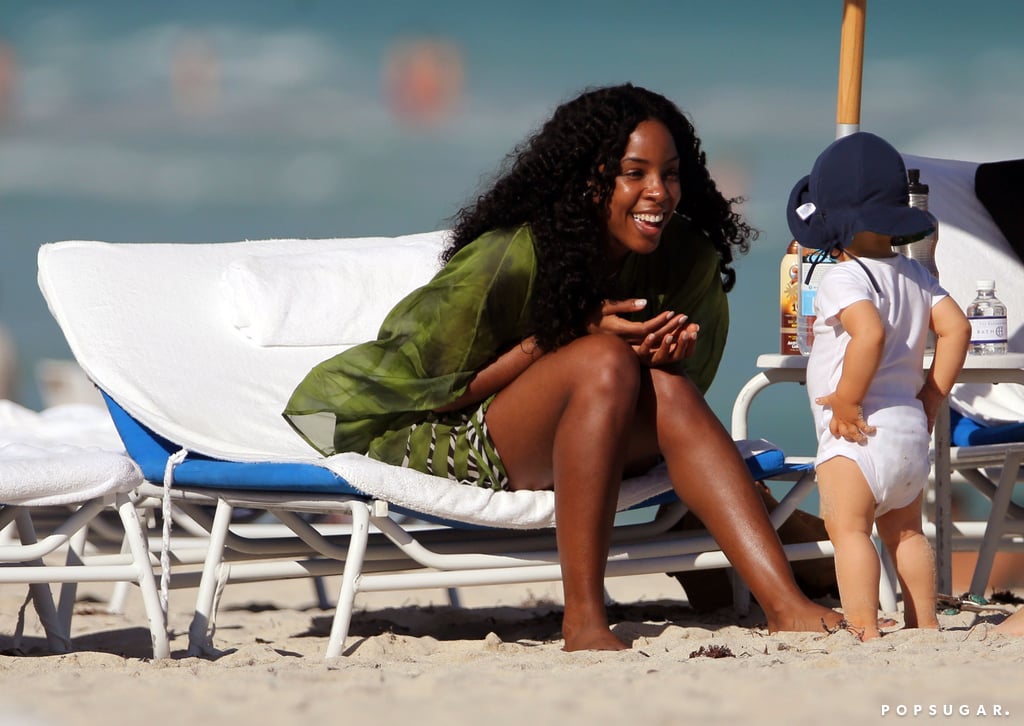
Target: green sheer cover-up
column 369, row 398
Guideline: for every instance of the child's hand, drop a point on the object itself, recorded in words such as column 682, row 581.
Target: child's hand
column 847, row 418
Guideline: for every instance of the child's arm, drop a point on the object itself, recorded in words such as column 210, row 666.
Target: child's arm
column 863, row 354
column 952, row 335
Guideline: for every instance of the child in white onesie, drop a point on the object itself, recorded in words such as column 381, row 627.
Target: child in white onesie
column 873, row 410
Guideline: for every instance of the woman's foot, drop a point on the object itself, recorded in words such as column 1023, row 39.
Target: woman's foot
column 810, row 618
column 592, row 636
column 1013, row 625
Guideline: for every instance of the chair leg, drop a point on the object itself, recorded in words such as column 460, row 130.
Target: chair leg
column 69, row 590
column 996, row 524
column 456, row 602
column 320, row 590
column 57, row 638
column 115, row 605
column 136, row 540
column 350, row 578
column 740, row 594
column 887, row 582
column 200, row 632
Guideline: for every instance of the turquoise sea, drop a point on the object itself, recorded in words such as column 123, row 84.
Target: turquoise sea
column 195, row 121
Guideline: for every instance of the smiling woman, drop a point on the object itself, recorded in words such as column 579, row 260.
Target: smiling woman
column 646, row 192
column 558, row 348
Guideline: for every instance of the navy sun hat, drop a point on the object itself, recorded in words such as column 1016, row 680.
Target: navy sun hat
column 858, row 183
column 805, row 226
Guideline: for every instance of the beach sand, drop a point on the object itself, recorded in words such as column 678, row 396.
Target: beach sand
column 496, row 660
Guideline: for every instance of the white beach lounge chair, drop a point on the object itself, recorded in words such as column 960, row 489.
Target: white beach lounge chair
column 981, row 236
column 198, row 346
column 42, row 475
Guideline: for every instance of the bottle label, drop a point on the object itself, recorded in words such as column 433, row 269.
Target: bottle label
column 989, row 329
column 808, row 290
column 789, row 291
column 788, row 344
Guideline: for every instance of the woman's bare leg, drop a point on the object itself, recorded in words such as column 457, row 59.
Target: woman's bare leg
column 564, row 421
column 1013, row 625
column 578, row 417
column 709, row 474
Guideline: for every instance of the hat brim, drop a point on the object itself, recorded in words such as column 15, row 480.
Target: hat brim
column 902, row 223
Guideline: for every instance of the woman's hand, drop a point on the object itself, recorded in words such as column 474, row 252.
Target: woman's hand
column 670, row 344
column 847, row 418
column 662, row 340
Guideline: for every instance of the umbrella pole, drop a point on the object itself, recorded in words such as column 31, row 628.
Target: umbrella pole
column 851, row 67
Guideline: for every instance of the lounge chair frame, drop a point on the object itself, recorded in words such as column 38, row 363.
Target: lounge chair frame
column 26, row 565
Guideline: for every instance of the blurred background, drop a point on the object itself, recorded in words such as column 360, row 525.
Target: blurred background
column 198, row 121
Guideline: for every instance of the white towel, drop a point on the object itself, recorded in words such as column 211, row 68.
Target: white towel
column 62, row 474
column 474, row 505
column 73, row 423
column 337, row 297
column 62, row 455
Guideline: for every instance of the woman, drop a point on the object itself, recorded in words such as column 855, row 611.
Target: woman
column 557, row 348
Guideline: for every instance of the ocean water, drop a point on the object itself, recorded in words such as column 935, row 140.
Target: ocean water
column 234, row 120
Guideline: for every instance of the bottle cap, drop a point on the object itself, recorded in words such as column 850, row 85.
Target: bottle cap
column 915, row 185
column 986, row 284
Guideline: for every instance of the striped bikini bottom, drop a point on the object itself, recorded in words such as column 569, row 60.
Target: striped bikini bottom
column 457, row 446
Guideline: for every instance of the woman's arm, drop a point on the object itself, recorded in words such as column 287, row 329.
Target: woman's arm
column 496, row 375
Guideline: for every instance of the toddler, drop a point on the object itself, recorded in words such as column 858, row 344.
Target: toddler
column 872, row 414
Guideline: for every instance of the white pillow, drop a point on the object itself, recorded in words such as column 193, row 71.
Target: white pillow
column 337, row 297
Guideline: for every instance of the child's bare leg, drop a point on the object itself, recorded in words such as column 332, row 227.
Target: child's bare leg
column 900, row 530
column 848, row 508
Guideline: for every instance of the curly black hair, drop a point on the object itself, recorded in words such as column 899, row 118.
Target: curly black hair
column 560, row 181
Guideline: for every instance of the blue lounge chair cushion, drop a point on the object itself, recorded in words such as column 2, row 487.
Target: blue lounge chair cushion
column 965, row 431
column 151, row 452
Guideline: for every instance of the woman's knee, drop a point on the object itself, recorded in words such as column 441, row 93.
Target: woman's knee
column 607, row 364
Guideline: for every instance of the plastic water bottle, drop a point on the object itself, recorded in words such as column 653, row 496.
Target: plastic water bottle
column 789, row 294
column 988, row 321
column 808, row 289
column 922, row 250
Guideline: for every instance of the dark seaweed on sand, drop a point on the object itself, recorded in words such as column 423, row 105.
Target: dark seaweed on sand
column 713, row 651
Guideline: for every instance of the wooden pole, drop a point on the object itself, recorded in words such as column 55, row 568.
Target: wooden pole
column 851, row 67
